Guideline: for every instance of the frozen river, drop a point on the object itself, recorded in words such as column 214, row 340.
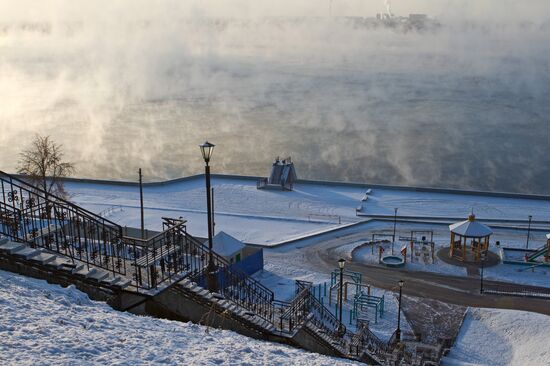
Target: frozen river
column 465, row 106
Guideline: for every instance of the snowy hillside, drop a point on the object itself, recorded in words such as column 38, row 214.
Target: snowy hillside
column 48, row 324
column 502, row 337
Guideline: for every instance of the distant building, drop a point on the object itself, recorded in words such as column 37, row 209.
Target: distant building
column 283, row 175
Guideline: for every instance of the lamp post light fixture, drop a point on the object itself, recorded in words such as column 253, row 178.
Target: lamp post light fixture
column 341, row 264
column 207, row 149
column 394, row 225
column 398, row 331
column 528, row 232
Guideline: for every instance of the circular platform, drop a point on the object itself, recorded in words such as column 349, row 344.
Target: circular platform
column 393, row 261
column 443, row 254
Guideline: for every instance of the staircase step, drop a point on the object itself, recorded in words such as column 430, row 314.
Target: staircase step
column 26, row 252
column 97, row 274
column 3, row 240
column 10, row 247
column 73, row 268
column 110, row 280
column 57, row 263
column 203, row 292
column 82, row 271
column 43, row 258
column 123, row 283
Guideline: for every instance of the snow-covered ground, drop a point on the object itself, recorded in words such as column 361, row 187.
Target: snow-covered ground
column 502, row 337
column 268, row 217
column 251, row 215
column 43, row 324
column 414, row 203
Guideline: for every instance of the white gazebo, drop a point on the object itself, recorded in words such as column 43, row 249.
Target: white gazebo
column 469, row 230
column 228, row 247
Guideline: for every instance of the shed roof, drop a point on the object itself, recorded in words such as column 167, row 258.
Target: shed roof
column 471, row 228
column 226, row 245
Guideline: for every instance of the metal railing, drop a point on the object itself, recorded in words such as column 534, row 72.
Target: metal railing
column 306, row 309
column 516, row 290
column 233, row 284
column 30, row 215
column 364, row 340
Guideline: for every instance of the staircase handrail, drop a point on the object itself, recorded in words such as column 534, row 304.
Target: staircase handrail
column 55, row 198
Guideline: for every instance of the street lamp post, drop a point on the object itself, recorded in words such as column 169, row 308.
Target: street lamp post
column 394, row 225
column 341, row 264
column 483, row 257
column 207, row 149
column 398, row 332
column 528, row 232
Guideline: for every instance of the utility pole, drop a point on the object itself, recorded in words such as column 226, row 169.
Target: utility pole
column 341, row 264
column 528, row 232
column 398, row 332
column 394, row 225
column 141, row 204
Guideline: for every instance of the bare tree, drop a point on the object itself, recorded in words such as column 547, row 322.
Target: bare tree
column 43, row 165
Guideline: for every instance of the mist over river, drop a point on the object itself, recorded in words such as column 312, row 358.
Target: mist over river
column 463, row 105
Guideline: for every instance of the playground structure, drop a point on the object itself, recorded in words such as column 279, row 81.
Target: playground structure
column 421, row 248
column 360, row 306
column 472, row 230
column 527, row 257
column 393, row 261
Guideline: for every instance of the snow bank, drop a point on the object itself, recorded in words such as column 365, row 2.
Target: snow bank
column 502, row 337
column 48, row 324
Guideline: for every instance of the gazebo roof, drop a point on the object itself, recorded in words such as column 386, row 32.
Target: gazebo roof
column 471, row 228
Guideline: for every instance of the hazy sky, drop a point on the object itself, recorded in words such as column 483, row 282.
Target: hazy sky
column 11, row 10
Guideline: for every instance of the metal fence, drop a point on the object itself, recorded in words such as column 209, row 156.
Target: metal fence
column 516, row 290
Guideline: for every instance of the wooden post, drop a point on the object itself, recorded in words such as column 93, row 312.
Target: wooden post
column 464, row 249
column 452, row 251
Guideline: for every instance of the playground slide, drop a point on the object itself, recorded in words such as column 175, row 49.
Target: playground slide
column 541, row 251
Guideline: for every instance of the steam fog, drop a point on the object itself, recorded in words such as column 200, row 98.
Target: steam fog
column 130, row 84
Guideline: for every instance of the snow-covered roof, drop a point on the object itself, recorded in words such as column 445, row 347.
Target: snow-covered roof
column 226, row 245
column 471, row 228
